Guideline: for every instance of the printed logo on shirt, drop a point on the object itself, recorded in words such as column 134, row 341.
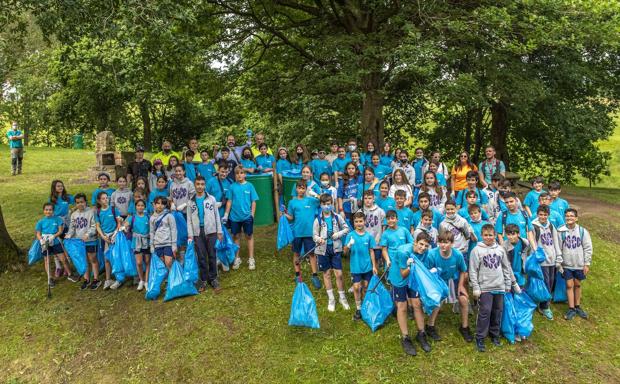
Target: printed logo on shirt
column 121, row 200
column 546, row 239
column 246, row 192
column 372, row 221
column 179, row 193
column 491, row 261
column 81, row 223
column 572, row 242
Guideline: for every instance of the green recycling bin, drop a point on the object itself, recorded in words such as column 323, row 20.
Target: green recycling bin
column 263, row 183
column 78, row 141
column 289, row 179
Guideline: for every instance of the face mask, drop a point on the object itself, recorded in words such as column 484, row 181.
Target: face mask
column 326, row 208
column 325, row 184
column 352, row 148
column 246, row 156
column 283, row 157
column 452, row 216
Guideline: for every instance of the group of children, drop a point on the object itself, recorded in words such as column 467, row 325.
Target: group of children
column 379, row 210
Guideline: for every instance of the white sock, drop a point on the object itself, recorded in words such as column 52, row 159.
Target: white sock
column 57, row 262
column 330, row 294
column 358, row 305
column 343, row 297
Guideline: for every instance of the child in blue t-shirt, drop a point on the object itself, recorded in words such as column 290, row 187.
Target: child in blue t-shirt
column 544, row 199
column 312, row 188
column 371, row 183
column 419, row 164
column 347, row 190
column 326, row 188
column 247, row 161
column 320, row 166
column 558, row 204
column 48, row 231
column 108, row 222
column 218, row 187
column 383, row 200
column 104, row 181
column 360, row 245
column 433, row 166
column 206, row 168
column 241, row 206
column 189, row 166
column 476, row 221
column 138, row 225
column 265, row 163
column 531, row 199
column 472, row 185
column 301, row 211
column 380, row 170
column 61, row 200
column 405, row 215
column 452, row 269
column 161, row 189
column 514, row 216
column 284, row 163
column 424, row 203
column 472, row 202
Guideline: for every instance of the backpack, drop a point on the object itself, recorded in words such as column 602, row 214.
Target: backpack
column 581, row 231
column 505, row 217
column 495, row 166
column 537, row 232
column 113, row 212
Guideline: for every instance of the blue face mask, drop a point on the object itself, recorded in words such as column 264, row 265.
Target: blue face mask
column 326, row 208
column 325, row 184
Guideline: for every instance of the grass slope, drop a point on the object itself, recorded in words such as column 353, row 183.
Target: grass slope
column 241, row 335
column 613, row 146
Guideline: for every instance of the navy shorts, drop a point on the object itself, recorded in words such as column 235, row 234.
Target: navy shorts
column 401, row 294
column 91, row 249
column 55, row 249
column 164, row 251
column 247, row 226
column 576, row 274
column 330, row 260
column 144, row 251
column 378, row 255
column 306, row 242
column 358, row 277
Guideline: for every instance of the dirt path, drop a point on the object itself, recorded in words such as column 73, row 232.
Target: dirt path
column 601, row 217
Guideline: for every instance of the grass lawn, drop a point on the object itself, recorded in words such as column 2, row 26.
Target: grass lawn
column 241, row 335
column 612, row 145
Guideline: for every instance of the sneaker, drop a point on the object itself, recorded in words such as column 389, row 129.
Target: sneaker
column 547, row 313
column 496, row 341
column 201, row 286
column 316, row 282
column 466, row 334
column 331, row 305
column 432, row 332
column 13, row 173
column 350, row 290
column 107, row 284
column 237, row 263
column 95, row 284
column 51, row 283
column 570, row 314
column 357, row 315
column 116, row 285
column 74, row 278
column 480, row 345
column 251, row 264
column 140, row 286
column 58, row 273
column 225, row 268
column 517, row 338
column 344, row 303
column 408, row 346
column 421, row 337
column 84, row 285
column 581, row 313
column 216, row 286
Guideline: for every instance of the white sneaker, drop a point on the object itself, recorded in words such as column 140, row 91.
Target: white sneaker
column 225, row 268
column 251, row 264
column 344, row 304
column 107, row 284
column 237, row 263
column 115, row 285
column 331, row 305
column 517, row 338
column 140, row 285
column 351, row 290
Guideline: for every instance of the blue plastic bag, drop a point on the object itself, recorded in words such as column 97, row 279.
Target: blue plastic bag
column 285, row 233
column 559, row 291
column 441, row 284
column 177, row 285
column 157, row 274
column 425, row 283
column 114, row 255
column 537, row 290
column 532, row 263
column 181, row 228
column 127, row 257
column 524, row 309
column 509, row 318
column 377, row 305
column 226, row 250
column 100, row 256
column 303, row 308
column 190, row 264
column 76, row 249
column 35, row 253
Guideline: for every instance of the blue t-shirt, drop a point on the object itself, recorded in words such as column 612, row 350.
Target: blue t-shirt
column 190, row 171
column 365, row 188
column 264, row 161
column 303, row 211
column 108, row 191
column 155, row 193
column 366, row 158
column 200, row 201
column 318, row 167
column 49, row 226
column 393, row 238
column 61, row 208
column 298, row 165
column 350, row 191
column 399, row 257
column 283, row 165
column 559, row 205
column 481, row 197
column 464, row 213
column 386, row 160
column 437, row 218
column 531, row 200
column 15, row 143
column 106, row 218
column 241, row 196
column 387, row 204
column 329, row 223
column 381, row 171
column 519, row 218
column 556, row 219
column 405, row 217
column 310, row 186
column 450, row 267
column 140, row 223
column 441, row 179
column 213, row 188
column 489, row 169
column 418, row 164
column 249, row 164
column 206, row 170
column 360, row 251
column 338, row 164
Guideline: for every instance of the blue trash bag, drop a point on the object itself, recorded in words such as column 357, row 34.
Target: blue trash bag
column 35, row 253
column 177, row 285
column 128, row 259
column 190, row 264
column 423, row 281
column 532, row 264
column 524, row 309
column 157, row 274
column 114, row 255
column 303, row 308
column 226, row 250
column 76, row 249
column 509, row 318
column 181, row 228
column 377, row 305
column 100, row 256
column 285, row 233
column 559, row 291
column 441, row 284
column 537, row 290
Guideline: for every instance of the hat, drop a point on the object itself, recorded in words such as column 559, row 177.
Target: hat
column 157, row 161
column 139, row 148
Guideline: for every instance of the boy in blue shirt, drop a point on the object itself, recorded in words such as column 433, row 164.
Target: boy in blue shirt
column 514, row 216
column 452, row 269
column 218, row 187
column 472, row 202
column 189, row 166
column 320, row 166
column 205, row 168
column 424, row 203
column 16, row 144
column 338, row 165
column 104, row 180
column 475, row 220
column 472, row 185
column 383, row 200
column 265, row 163
column 558, row 204
column 301, row 211
column 554, row 217
column 531, row 199
column 241, row 205
column 405, row 215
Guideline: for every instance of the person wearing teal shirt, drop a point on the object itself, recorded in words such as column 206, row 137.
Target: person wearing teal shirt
column 476, row 220
column 383, row 200
column 320, row 166
column 104, row 180
column 48, row 230
column 514, row 216
column 339, row 164
column 265, row 162
column 531, row 199
column 379, row 169
column 16, row 144
column 558, row 204
column 424, row 203
column 419, row 163
column 218, row 187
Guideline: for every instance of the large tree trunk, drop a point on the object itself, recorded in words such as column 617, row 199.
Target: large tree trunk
column 372, row 122
column 9, row 252
column 499, row 131
column 146, row 125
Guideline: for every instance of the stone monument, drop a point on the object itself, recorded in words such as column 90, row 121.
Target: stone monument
column 108, row 159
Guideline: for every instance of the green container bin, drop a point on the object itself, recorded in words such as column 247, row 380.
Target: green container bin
column 288, row 183
column 78, row 141
column 264, row 206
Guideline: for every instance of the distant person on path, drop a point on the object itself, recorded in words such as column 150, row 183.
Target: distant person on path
column 16, row 144
column 490, row 166
column 140, row 167
column 166, row 153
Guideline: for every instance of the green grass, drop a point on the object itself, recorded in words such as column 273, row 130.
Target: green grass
column 613, row 146
column 241, row 335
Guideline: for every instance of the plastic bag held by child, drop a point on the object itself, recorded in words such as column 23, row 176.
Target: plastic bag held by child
column 377, row 305
column 114, row 254
column 425, row 283
column 127, row 257
column 532, row 263
column 537, row 290
column 177, row 285
column 226, row 250
column 181, row 228
column 157, row 274
column 76, row 249
column 303, row 309
column 35, row 253
column 285, row 233
column 559, row 291
column 524, row 309
column 190, row 264
column 509, row 318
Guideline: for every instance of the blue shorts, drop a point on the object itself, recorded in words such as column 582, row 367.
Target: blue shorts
column 144, row 251
column 378, row 255
column 330, row 260
column 55, row 249
column 570, row 274
column 401, row 294
column 247, row 226
column 164, row 251
column 91, row 249
column 302, row 242
column 358, row 277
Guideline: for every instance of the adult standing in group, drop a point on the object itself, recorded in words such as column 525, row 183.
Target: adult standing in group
column 259, row 139
column 16, row 144
column 333, row 152
column 459, row 172
column 140, row 167
column 235, row 150
column 490, row 166
column 166, row 153
column 194, row 146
